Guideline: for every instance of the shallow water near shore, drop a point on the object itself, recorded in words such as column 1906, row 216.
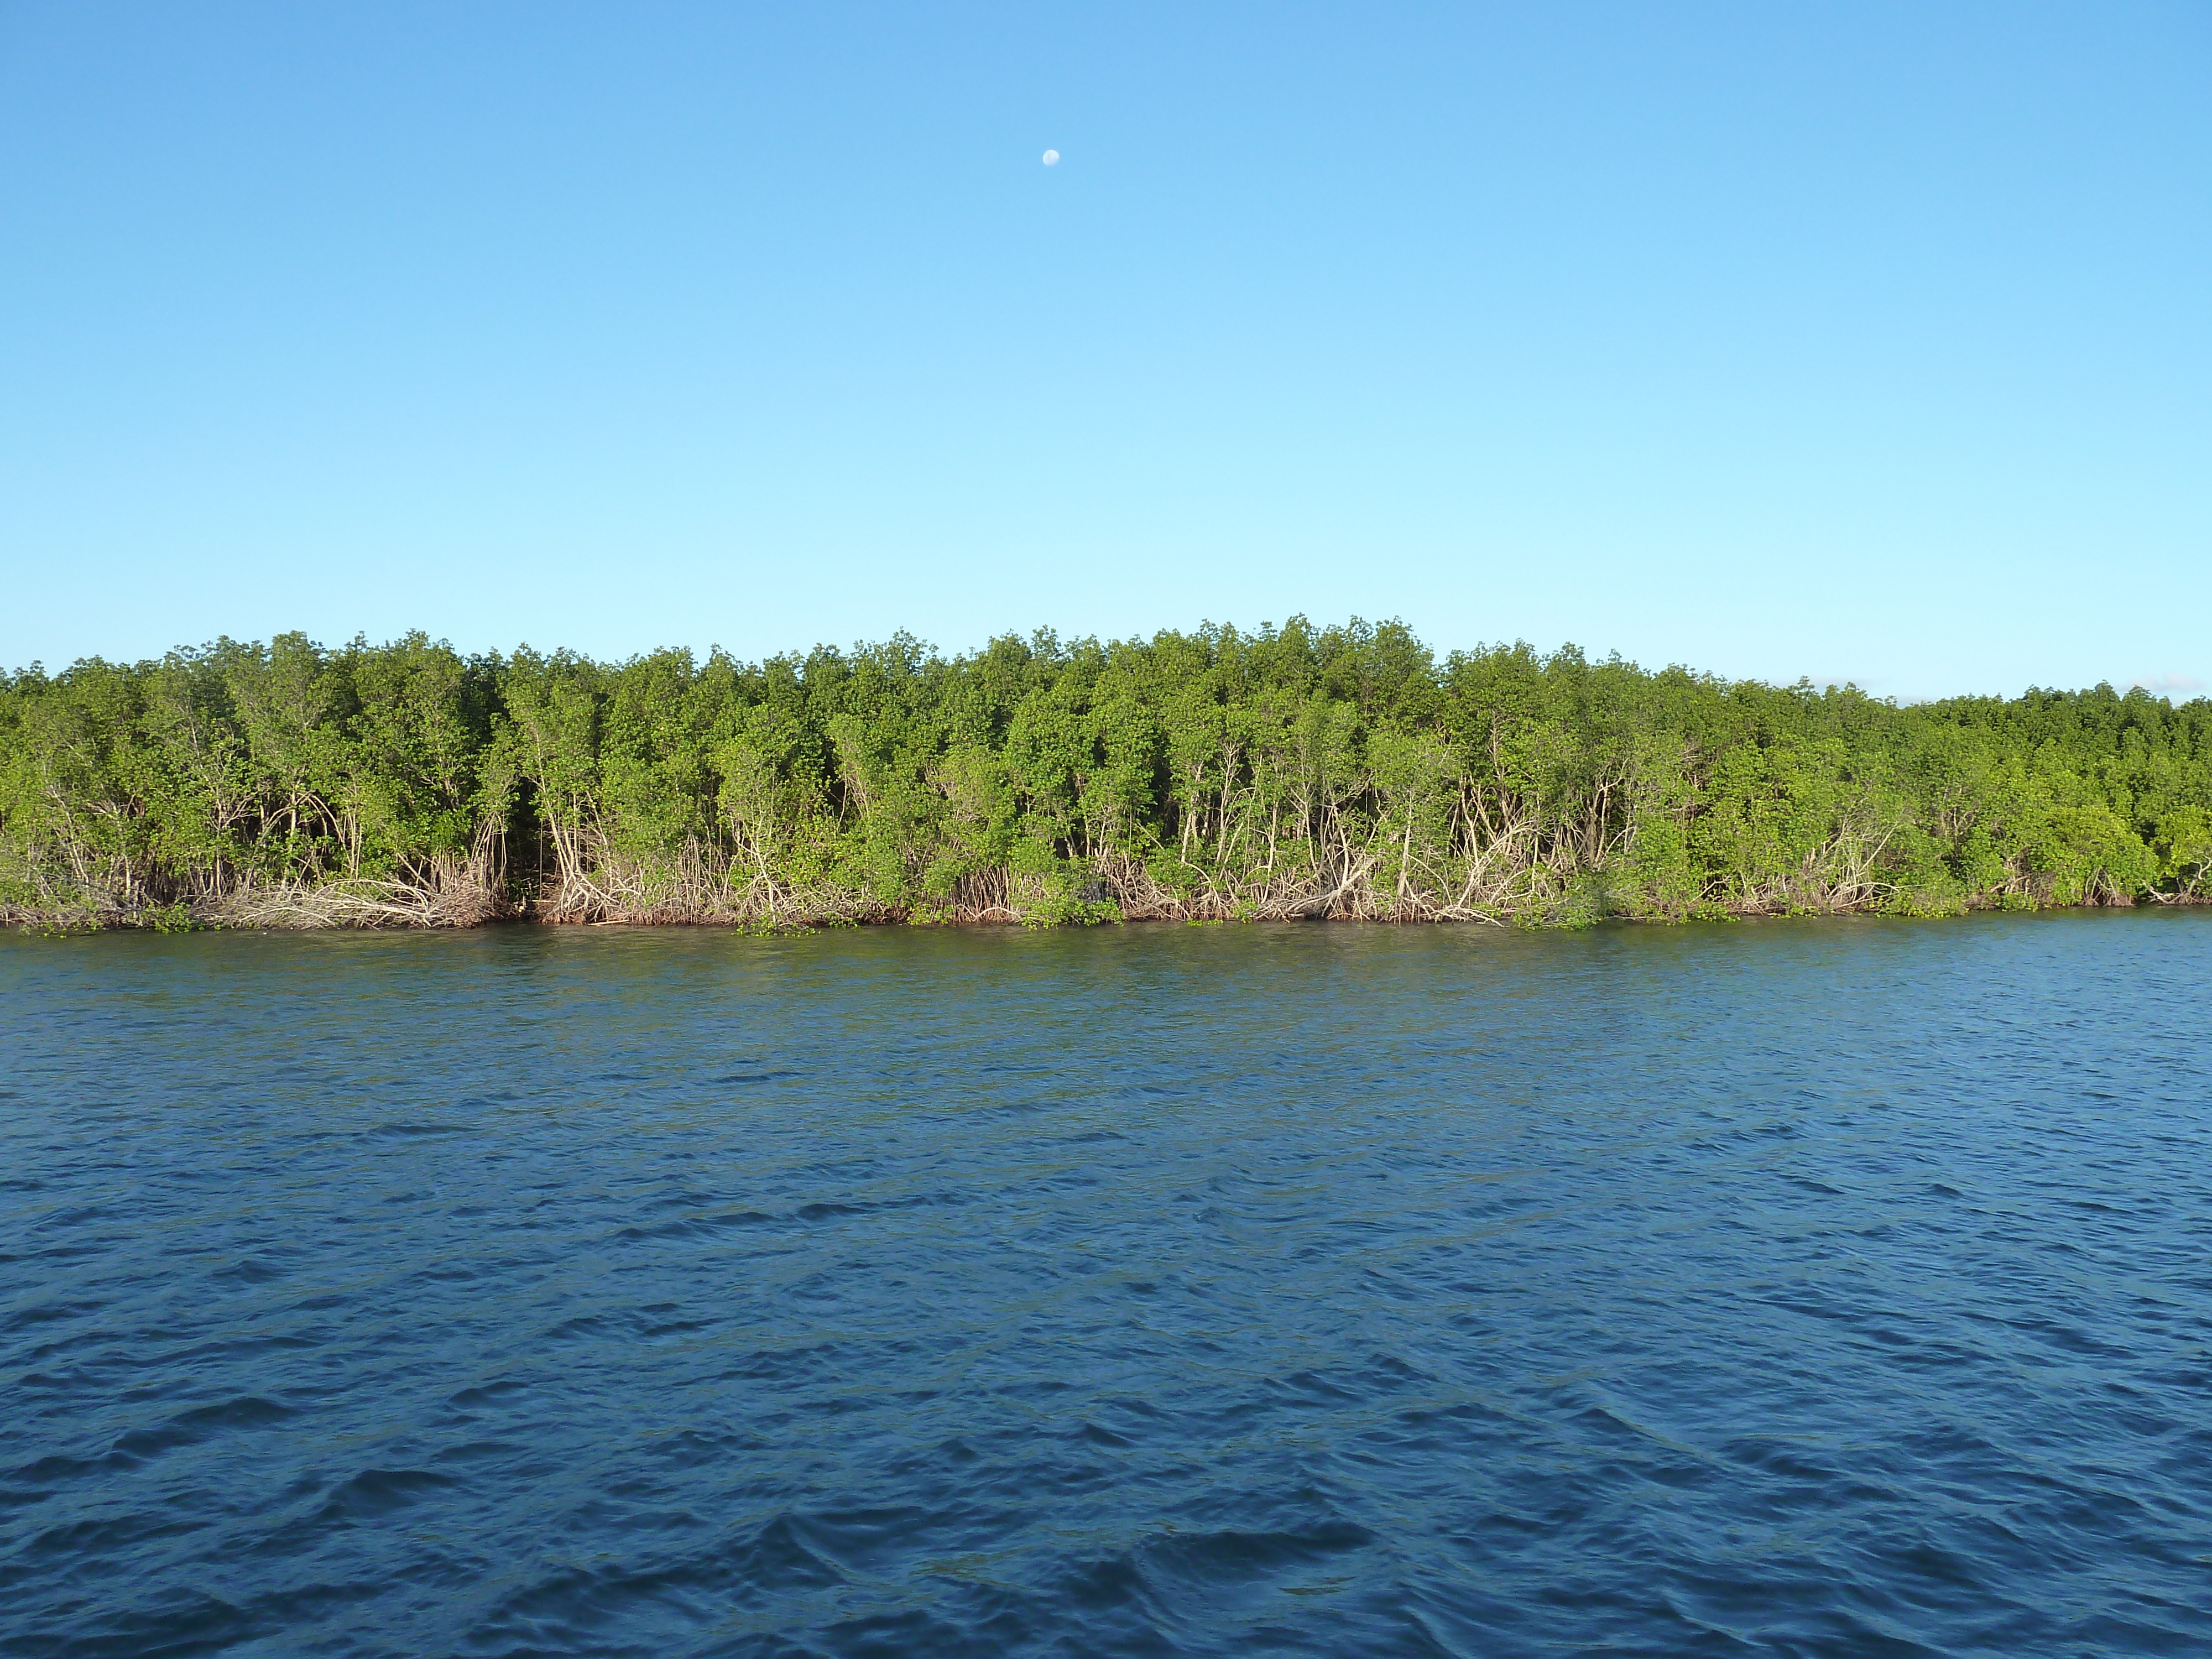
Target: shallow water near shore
column 1834, row 1287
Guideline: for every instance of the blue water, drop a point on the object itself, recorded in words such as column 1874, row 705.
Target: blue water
column 1837, row 1287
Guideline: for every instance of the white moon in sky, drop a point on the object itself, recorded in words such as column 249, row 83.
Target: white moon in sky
column 1052, row 158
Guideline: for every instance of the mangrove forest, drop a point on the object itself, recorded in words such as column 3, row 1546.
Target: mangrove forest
column 1293, row 772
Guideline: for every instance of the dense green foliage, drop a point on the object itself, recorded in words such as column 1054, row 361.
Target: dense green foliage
column 1293, row 772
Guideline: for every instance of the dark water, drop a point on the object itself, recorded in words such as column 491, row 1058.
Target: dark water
column 1827, row 1288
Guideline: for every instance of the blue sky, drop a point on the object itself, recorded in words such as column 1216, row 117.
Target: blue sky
column 1870, row 342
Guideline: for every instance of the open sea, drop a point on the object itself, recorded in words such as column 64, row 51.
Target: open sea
column 1836, row 1287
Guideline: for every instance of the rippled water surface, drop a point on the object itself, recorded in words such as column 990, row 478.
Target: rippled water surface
column 1837, row 1287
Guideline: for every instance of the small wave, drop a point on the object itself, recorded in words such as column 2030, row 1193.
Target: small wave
column 374, row 1492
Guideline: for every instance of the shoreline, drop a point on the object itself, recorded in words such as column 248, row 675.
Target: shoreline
column 183, row 918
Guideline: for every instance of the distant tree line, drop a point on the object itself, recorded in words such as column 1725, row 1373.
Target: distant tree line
column 1293, row 772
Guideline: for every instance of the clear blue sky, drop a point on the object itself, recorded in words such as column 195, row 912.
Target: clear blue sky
column 1868, row 342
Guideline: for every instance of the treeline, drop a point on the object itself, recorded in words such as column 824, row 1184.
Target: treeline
column 1298, row 772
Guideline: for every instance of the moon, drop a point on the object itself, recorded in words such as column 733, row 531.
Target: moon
column 1052, row 158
